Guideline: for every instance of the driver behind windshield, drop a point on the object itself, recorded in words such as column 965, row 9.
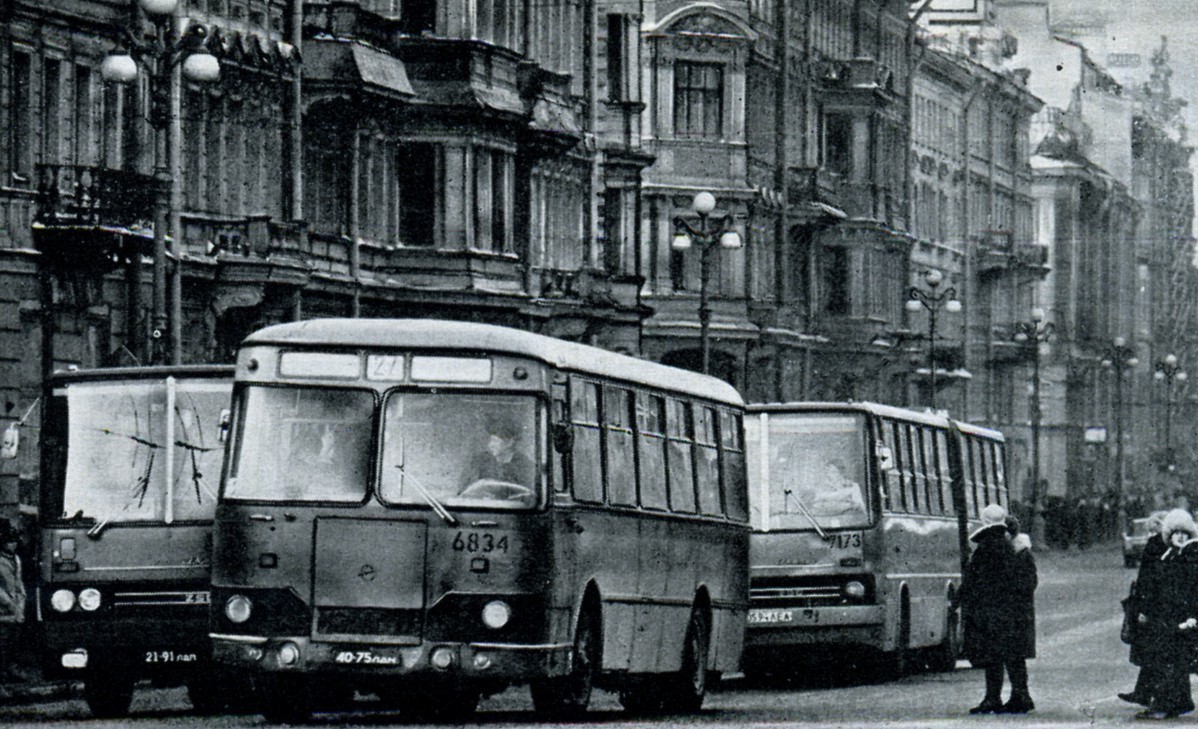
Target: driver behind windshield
column 501, row 458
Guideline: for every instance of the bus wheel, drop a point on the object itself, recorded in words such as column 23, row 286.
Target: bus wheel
column 108, row 694
column 643, row 696
column 454, row 704
column 285, row 699
column 206, row 693
column 944, row 656
column 899, row 660
column 568, row 696
column 685, row 690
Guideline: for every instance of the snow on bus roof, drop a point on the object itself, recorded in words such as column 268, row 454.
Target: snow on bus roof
column 918, row 416
column 448, row 335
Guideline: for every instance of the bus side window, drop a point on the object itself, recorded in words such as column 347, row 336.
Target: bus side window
column 985, row 475
column 586, row 456
column 707, row 465
column 680, row 463
column 621, row 471
column 946, row 474
column 651, row 450
column 910, row 470
column 735, row 489
column 927, row 437
column 927, row 470
column 1000, row 476
column 894, row 476
column 971, row 504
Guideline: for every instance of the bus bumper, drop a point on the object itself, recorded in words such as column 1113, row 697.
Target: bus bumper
column 456, row 660
column 855, row 624
column 144, row 648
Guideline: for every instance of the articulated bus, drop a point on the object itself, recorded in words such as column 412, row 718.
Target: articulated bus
column 430, row 511
column 130, row 468
column 861, row 514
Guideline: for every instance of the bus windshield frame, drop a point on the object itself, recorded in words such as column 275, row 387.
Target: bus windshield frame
column 810, row 451
column 112, row 449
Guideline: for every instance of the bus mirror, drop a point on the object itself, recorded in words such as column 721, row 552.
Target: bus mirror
column 563, row 438
column 885, row 458
column 12, row 441
column 226, row 419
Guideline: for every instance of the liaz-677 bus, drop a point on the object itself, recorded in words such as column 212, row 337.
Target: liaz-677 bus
column 860, row 518
column 430, row 511
column 130, row 467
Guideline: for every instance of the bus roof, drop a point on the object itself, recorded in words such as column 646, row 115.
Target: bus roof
column 99, row 374
column 890, row 411
column 474, row 337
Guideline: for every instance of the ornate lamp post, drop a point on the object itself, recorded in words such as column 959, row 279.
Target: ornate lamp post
column 167, row 52
column 1120, row 358
column 710, row 235
column 931, row 301
column 1167, row 372
column 1033, row 333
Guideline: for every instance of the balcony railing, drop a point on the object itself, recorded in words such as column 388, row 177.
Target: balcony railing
column 84, row 195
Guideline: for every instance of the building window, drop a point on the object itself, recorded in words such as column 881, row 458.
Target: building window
column 698, row 100
column 52, row 111
column 837, row 280
column 21, row 141
column 492, row 201
column 619, row 61
column 84, row 117
column 838, row 144
column 418, row 186
column 418, row 16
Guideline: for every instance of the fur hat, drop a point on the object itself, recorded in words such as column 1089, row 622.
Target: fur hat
column 1178, row 520
column 993, row 517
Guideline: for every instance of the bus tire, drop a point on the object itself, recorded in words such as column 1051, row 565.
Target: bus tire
column 207, row 694
column 444, row 704
column 108, row 693
column 944, row 656
column 286, row 699
column 568, row 696
column 643, row 697
column 899, row 661
column 686, row 689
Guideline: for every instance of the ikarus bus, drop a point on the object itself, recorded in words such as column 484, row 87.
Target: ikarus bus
column 429, row 511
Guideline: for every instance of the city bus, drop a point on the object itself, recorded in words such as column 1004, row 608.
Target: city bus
column 429, row 511
column 861, row 515
column 130, row 468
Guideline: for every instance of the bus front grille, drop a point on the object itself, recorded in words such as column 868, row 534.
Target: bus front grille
column 369, row 621
column 157, row 598
column 811, row 595
column 808, row 590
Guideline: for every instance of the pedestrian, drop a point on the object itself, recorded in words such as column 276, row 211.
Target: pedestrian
column 994, row 604
column 1023, row 595
column 12, row 598
column 1170, row 623
column 1141, row 588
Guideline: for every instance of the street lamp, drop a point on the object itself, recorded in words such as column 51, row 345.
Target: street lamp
column 1120, row 358
column 1033, row 333
column 1167, row 372
column 709, row 236
column 168, row 51
column 933, row 302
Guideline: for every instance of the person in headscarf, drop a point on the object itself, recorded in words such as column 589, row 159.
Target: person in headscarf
column 1170, row 609
column 1023, row 589
column 1150, row 561
column 991, row 610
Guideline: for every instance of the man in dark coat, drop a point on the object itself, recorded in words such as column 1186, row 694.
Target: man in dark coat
column 1143, row 586
column 1023, row 593
column 994, row 615
column 1171, row 619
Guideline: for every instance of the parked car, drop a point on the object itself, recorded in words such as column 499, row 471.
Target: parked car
column 1138, row 532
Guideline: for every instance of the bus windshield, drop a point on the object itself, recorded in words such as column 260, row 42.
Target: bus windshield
column 815, row 473
column 302, row 444
column 121, row 437
column 460, row 450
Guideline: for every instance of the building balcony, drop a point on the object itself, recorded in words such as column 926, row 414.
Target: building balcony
column 998, row 253
column 87, row 196
column 861, row 200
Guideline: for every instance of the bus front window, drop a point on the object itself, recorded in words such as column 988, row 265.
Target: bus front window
column 816, row 472
column 463, row 450
column 303, row 444
column 116, row 449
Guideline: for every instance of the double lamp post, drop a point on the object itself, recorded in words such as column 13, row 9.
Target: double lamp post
column 1033, row 333
column 710, row 235
column 1120, row 358
column 933, row 301
column 169, row 49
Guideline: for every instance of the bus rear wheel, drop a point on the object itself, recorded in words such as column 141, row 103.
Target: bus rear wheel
column 686, row 689
column 108, row 693
column 944, row 656
column 898, row 661
column 568, row 696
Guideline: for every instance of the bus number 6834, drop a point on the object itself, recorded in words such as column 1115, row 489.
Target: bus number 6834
column 483, row 542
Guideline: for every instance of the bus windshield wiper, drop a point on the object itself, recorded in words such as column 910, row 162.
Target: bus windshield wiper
column 428, row 496
column 807, row 513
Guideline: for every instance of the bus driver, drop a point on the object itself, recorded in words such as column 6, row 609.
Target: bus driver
column 500, row 460
column 840, row 495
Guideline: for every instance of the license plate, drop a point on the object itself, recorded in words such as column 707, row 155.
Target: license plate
column 767, row 617
column 169, row 656
column 365, row 658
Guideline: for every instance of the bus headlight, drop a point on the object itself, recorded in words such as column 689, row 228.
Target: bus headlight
column 496, row 614
column 289, row 654
column 62, row 600
column 441, row 658
column 89, row 599
column 855, row 590
column 238, row 608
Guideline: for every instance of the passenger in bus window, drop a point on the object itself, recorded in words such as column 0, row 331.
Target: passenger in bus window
column 501, row 460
